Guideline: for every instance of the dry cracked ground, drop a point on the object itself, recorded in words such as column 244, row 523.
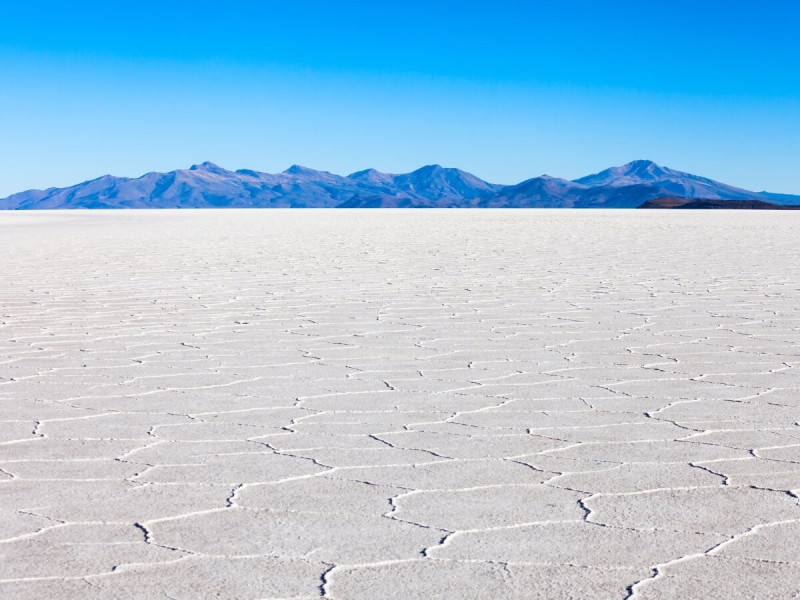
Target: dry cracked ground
column 397, row 404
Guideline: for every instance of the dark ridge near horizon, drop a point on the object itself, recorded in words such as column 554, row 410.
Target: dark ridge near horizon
column 714, row 203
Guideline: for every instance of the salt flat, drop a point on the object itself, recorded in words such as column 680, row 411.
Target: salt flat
column 398, row 404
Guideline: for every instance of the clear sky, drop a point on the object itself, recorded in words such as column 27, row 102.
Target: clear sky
column 507, row 89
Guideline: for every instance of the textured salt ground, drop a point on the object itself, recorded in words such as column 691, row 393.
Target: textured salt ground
column 393, row 404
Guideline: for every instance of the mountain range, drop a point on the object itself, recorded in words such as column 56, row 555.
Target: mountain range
column 209, row 186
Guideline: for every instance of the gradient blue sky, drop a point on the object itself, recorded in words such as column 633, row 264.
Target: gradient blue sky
column 505, row 89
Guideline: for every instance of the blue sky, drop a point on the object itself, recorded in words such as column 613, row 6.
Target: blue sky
column 505, row 89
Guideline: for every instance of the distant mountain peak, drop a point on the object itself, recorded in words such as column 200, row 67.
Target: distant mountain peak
column 644, row 167
column 430, row 169
column 634, row 172
column 301, row 170
column 372, row 177
column 545, row 181
column 208, row 166
column 640, row 163
column 671, row 182
column 366, row 173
